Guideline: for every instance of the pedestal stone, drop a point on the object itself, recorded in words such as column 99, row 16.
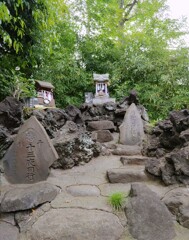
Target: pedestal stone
column 29, row 157
column 101, row 100
column 132, row 130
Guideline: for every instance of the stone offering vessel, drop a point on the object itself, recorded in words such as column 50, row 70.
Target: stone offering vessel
column 29, row 157
column 132, row 129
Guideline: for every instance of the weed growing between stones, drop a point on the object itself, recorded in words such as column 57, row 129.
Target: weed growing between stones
column 117, row 200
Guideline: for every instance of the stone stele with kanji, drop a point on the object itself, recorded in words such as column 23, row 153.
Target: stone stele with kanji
column 29, row 157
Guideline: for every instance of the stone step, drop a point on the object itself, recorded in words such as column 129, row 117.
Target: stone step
column 134, row 160
column 125, row 175
column 126, row 150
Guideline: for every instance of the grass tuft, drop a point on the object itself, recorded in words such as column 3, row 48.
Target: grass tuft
column 117, row 200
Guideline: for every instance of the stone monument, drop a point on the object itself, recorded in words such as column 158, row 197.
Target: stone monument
column 101, row 94
column 29, row 157
column 132, row 129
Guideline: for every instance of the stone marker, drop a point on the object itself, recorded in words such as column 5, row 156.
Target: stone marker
column 30, row 156
column 132, row 130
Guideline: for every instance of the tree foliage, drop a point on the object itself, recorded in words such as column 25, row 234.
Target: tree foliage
column 64, row 42
column 21, row 25
column 18, row 20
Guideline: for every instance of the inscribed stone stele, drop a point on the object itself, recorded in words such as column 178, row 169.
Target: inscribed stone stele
column 132, row 129
column 29, row 157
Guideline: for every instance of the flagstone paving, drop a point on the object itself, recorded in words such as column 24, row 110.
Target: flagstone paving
column 81, row 210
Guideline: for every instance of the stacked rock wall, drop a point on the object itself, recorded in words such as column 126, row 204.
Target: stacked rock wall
column 169, row 145
column 75, row 132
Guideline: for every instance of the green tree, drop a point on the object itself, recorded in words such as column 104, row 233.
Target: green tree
column 133, row 40
column 155, row 61
column 61, row 65
column 18, row 20
column 141, row 48
column 21, row 25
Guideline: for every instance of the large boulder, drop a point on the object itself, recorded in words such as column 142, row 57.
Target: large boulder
column 175, row 199
column 184, row 216
column 77, row 224
column 169, row 143
column 51, row 119
column 10, row 119
column 74, row 146
column 180, row 119
column 173, row 168
column 28, row 196
column 153, row 166
column 148, row 217
column 5, row 141
column 75, row 114
column 101, row 125
column 102, row 136
column 11, row 113
column 164, row 137
column 179, row 160
column 169, row 134
column 184, row 136
column 99, row 112
column 177, row 202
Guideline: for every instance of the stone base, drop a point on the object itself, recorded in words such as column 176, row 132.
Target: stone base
column 102, row 100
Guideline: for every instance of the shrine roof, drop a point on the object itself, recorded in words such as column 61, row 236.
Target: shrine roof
column 101, row 77
column 44, row 84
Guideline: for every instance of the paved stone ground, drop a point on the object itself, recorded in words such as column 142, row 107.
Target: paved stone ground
column 82, row 207
column 87, row 187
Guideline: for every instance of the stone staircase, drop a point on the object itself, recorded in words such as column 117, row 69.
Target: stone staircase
column 132, row 169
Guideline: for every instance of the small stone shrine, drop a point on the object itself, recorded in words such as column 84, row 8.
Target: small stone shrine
column 29, row 157
column 132, row 129
column 44, row 97
column 101, row 94
column 45, row 93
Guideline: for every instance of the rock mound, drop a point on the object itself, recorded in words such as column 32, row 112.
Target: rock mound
column 74, row 148
column 169, row 134
column 170, row 145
